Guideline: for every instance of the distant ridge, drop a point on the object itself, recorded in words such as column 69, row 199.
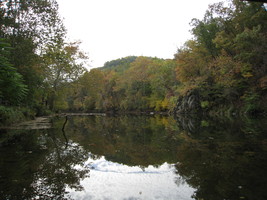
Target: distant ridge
column 119, row 65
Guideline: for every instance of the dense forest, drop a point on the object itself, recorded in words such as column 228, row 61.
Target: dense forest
column 221, row 70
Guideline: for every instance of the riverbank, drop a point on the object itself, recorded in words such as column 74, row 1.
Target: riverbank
column 17, row 117
column 11, row 115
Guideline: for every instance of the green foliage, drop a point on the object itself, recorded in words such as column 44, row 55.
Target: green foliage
column 92, row 86
column 9, row 115
column 226, row 60
column 251, row 100
column 144, row 84
column 63, row 64
column 204, row 104
column 119, row 65
column 37, row 20
column 205, row 31
column 12, row 88
column 28, row 26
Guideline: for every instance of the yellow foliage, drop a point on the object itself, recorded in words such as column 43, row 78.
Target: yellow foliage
column 165, row 104
column 192, row 64
column 225, row 70
column 247, row 75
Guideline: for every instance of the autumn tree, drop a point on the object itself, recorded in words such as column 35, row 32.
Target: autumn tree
column 91, row 91
column 225, row 59
column 63, row 64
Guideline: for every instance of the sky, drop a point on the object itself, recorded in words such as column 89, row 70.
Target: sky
column 112, row 29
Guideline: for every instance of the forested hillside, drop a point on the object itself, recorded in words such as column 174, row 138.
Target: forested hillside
column 224, row 65
column 226, row 61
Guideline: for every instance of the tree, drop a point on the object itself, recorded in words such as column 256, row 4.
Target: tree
column 225, row 60
column 163, row 84
column 29, row 26
column 62, row 64
column 35, row 19
column 91, row 91
column 192, row 65
column 205, row 31
column 12, row 88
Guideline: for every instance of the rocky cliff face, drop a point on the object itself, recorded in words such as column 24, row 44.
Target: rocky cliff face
column 189, row 103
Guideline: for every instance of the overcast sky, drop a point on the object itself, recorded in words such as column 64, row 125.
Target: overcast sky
column 112, row 29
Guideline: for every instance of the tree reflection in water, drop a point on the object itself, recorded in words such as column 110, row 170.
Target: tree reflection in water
column 60, row 170
column 48, row 166
column 221, row 159
column 225, row 160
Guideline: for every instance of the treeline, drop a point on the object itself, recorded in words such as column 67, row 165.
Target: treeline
column 224, row 64
column 133, row 84
column 35, row 59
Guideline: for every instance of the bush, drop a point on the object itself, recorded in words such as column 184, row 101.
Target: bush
column 9, row 115
column 251, row 100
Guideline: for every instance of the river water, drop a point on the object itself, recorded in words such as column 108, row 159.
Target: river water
column 135, row 157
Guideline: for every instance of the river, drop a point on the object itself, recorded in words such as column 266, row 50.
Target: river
column 134, row 157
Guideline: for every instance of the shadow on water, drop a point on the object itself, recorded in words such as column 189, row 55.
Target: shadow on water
column 220, row 159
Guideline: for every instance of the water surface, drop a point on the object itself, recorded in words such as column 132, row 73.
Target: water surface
column 135, row 157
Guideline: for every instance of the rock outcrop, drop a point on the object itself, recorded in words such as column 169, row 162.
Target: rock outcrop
column 188, row 104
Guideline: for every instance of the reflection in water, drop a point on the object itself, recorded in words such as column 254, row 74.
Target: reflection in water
column 126, row 157
column 225, row 160
column 110, row 180
column 38, row 165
